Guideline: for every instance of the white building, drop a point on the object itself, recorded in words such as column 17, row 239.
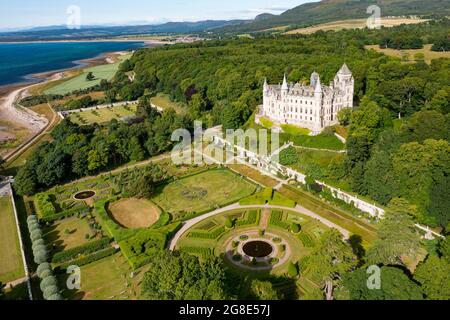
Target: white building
column 313, row 107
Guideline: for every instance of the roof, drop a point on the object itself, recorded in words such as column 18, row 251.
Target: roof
column 345, row 70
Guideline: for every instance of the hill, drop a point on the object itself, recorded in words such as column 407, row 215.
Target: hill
column 333, row 10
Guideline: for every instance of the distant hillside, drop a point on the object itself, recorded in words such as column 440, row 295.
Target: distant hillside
column 334, row 10
column 92, row 32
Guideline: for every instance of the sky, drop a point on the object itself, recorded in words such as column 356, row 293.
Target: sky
column 28, row 13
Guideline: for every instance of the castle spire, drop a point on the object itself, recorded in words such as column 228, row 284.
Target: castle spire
column 318, row 86
column 285, row 85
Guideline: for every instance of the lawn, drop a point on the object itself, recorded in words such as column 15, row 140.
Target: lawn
column 102, row 115
column 408, row 55
column 254, row 175
column 135, row 213
column 266, row 123
column 11, row 265
column 316, row 161
column 321, row 141
column 202, row 192
column 79, row 82
column 106, row 279
column 68, row 233
column 295, row 130
column 163, row 101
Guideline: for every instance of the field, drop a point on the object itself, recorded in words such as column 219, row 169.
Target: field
column 67, row 234
column 135, row 213
column 102, row 115
column 106, row 279
column 354, row 24
column 79, row 82
column 201, row 192
column 163, row 101
column 408, row 55
column 11, row 266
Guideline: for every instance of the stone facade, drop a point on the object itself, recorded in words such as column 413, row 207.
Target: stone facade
column 314, row 106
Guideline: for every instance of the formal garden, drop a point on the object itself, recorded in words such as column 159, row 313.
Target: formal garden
column 259, row 243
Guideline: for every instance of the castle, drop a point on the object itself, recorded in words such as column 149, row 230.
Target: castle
column 313, row 107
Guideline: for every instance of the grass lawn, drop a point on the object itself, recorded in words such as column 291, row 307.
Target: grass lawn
column 295, row 130
column 135, row 213
column 102, row 115
column 408, row 55
column 106, row 279
column 254, row 175
column 79, row 82
column 56, row 234
column 266, row 123
column 11, row 266
column 313, row 159
column 163, row 101
column 321, row 141
column 202, row 192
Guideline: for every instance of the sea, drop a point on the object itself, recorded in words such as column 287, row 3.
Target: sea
column 20, row 61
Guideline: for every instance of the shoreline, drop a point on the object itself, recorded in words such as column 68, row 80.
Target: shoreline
column 146, row 41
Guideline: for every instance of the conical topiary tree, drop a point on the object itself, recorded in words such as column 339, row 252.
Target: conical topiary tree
column 46, row 273
column 55, row 296
column 48, row 282
column 32, row 218
column 49, row 291
column 38, row 247
column 41, row 268
column 35, row 235
column 40, row 256
column 39, row 242
column 32, row 227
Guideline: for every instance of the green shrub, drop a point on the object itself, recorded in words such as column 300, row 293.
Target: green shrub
column 277, row 219
column 40, row 256
column 295, row 228
column 45, row 205
column 251, row 218
column 292, row 269
column 163, row 220
column 41, row 268
column 36, row 235
column 244, row 237
column 46, row 273
column 55, row 297
column 229, row 223
column 50, row 291
column 32, row 218
column 261, row 232
column 48, row 282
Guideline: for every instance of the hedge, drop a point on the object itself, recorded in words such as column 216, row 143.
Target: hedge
column 113, row 229
column 276, row 219
column 251, row 218
column 89, row 259
column 213, row 234
column 139, row 249
column 66, row 214
column 86, row 249
column 163, row 220
column 292, row 269
column 45, row 204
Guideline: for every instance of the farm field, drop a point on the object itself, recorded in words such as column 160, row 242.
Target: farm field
column 11, row 265
column 79, row 82
column 354, row 24
column 106, row 279
column 135, row 213
column 102, row 115
column 67, row 234
column 202, row 192
column 408, row 55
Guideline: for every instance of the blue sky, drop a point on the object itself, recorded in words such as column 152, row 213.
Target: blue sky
column 25, row 13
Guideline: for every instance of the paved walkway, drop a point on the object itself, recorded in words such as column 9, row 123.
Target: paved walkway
column 236, row 206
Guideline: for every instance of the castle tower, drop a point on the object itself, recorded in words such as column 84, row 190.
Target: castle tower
column 285, row 86
column 345, row 82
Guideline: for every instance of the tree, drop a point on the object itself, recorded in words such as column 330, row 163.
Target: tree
column 439, row 204
column 395, row 285
column 288, row 156
column 440, row 102
column 397, row 235
column 183, row 277
column 90, row 76
column 263, row 290
column 25, row 182
column 292, row 269
column 331, row 259
column 433, row 274
column 95, row 161
column 344, row 116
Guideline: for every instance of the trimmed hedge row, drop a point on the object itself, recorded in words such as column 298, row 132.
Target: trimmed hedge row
column 163, row 220
column 251, row 218
column 45, row 204
column 66, row 214
column 213, row 234
column 306, row 239
column 276, row 219
column 89, row 259
column 86, row 249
